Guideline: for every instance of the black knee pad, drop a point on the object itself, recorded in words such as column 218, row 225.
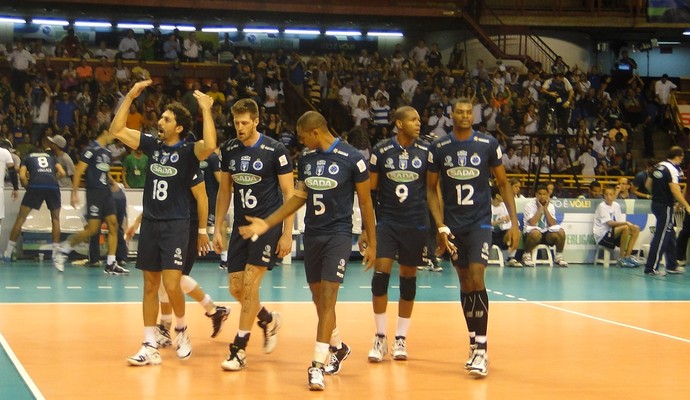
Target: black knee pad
column 379, row 283
column 408, row 288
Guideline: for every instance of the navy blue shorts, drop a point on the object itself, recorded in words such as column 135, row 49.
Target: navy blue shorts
column 609, row 241
column 325, row 257
column 409, row 246
column 99, row 204
column 261, row 253
column 163, row 244
column 473, row 247
column 34, row 198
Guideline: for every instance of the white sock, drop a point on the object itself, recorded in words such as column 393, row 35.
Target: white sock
column 403, row 327
column 66, row 247
column 10, row 248
column 180, row 323
column 207, row 304
column 380, row 321
column 166, row 320
column 110, row 259
column 321, row 353
column 241, row 333
column 224, row 255
column 150, row 335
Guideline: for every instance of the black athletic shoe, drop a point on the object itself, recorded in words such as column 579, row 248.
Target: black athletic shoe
column 218, row 319
column 336, row 360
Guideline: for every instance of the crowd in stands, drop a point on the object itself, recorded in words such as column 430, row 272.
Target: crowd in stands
column 593, row 118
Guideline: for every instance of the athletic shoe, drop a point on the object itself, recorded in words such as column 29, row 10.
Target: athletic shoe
column 435, row 267
column 223, row 265
column 163, row 336
column 625, row 263
column 470, row 358
column 399, row 349
column 147, row 355
column 527, row 259
column 636, row 261
column 183, row 347
column 677, row 270
column 560, row 261
column 114, row 269
column 315, row 375
column 59, row 261
column 655, row 272
column 271, row 332
column 513, row 262
column 337, row 358
column 680, row 263
column 480, row 364
column 379, row 348
column 218, row 319
column 237, row 359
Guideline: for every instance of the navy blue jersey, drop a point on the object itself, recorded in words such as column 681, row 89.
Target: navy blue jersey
column 330, row 177
column 209, row 166
column 402, row 182
column 193, row 212
column 98, row 160
column 464, row 169
column 42, row 169
column 664, row 173
column 171, row 170
column 255, row 171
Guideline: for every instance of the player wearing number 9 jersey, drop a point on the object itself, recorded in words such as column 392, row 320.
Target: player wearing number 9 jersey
column 463, row 163
column 256, row 172
column 398, row 167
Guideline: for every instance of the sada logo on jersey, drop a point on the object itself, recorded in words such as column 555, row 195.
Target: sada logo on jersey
column 320, row 183
column 163, row 170
column 402, row 176
column 245, row 179
column 463, row 173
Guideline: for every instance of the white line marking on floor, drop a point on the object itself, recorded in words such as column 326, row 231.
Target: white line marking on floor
column 105, row 287
column 279, row 287
column 365, row 287
column 424, row 286
column 131, row 287
column 395, row 287
column 305, row 287
column 608, row 321
column 43, row 287
column 222, row 287
column 450, row 287
column 12, row 287
column 510, row 296
column 497, row 292
column 20, row 369
column 73, row 287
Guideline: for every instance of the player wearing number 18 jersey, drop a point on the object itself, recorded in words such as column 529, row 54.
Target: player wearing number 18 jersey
column 398, row 169
column 463, row 163
column 164, row 234
column 256, row 172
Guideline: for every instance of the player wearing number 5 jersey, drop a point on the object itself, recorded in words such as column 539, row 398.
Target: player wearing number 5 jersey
column 100, row 204
column 397, row 171
column 463, row 163
column 257, row 174
column 164, row 238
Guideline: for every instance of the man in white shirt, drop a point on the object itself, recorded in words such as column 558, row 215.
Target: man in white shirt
column 345, row 93
column 610, row 228
column 191, row 48
column 356, row 96
column 128, row 48
column 20, row 60
column 439, row 124
column 408, row 86
column 510, row 160
column 663, row 88
column 541, row 227
column 419, row 52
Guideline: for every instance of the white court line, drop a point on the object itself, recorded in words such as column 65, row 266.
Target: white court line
column 73, row 287
column 279, row 287
column 608, row 321
column 12, row 287
column 20, row 369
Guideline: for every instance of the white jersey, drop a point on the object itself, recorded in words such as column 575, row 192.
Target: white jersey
column 603, row 214
column 6, row 160
column 500, row 212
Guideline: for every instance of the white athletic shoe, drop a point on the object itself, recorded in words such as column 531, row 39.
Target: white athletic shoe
column 379, row 348
column 480, row 364
column 147, row 355
column 183, row 346
column 236, row 361
column 399, row 349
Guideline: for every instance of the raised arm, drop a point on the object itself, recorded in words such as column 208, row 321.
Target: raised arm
column 118, row 128
column 203, row 148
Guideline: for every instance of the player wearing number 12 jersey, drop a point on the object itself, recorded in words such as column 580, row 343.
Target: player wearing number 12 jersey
column 398, row 174
column 256, row 172
column 463, row 163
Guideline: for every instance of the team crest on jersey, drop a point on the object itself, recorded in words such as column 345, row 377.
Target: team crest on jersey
column 402, row 160
column 475, row 159
column 462, row 158
column 258, row 165
column 333, row 169
column 416, row 162
column 320, row 166
column 174, row 157
column 447, row 162
column 164, row 158
column 307, row 169
column 244, row 163
column 389, row 164
column 232, row 165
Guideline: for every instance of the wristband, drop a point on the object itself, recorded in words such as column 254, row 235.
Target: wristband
column 444, row 229
column 202, row 231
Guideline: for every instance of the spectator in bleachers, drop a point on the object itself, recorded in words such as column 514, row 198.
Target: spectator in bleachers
column 149, row 44
column 623, row 189
column 593, row 190
column 171, row 48
column 638, row 187
column 70, row 44
column 105, row 75
column 123, row 76
column 103, row 51
column 128, row 47
column 191, row 48
column 610, row 229
column 587, row 160
column 541, row 227
column 21, row 61
column 439, row 124
column 66, row 112
column 419, row 53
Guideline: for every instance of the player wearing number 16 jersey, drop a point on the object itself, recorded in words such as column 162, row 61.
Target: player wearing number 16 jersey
column 256, row 172
column 463, row 163
column 398, row 169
